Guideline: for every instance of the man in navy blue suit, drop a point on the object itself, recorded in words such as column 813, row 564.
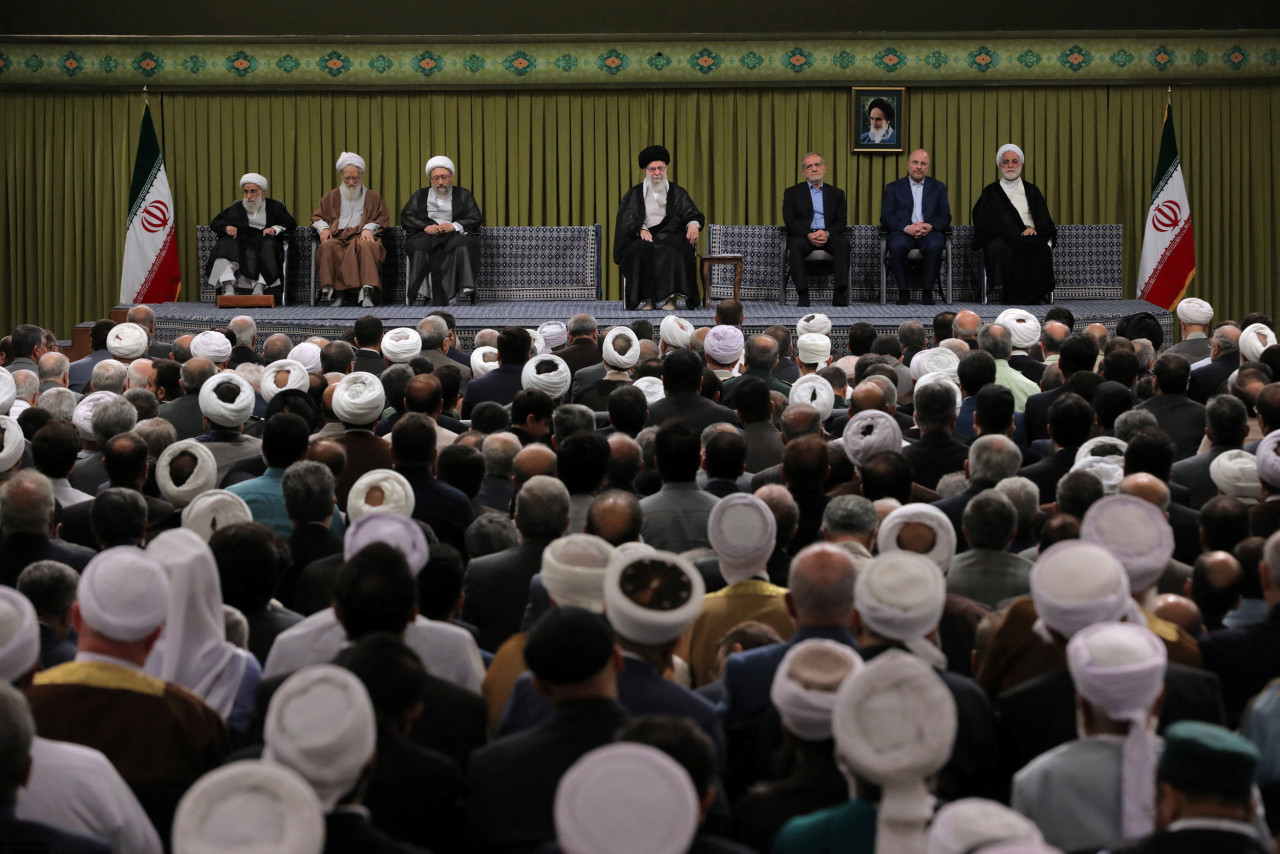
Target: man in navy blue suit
column 915, row 210
column 815, row 214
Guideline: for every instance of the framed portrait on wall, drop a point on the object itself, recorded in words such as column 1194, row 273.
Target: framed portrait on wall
column 879, row 118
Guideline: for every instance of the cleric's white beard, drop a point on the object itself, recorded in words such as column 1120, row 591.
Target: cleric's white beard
column 442, row 192
column 1011, row 174
column 877, row 135
column 253, row 205
column 351, row 193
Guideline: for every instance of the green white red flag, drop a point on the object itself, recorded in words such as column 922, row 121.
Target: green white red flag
column 150, row 272
column 1168, row 248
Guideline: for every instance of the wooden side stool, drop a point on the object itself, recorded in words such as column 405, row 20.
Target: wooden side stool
column 709, row 261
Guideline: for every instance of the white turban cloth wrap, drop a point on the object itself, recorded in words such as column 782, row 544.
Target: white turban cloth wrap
column 742, row 531
column 359, row 399
column 554, row 383
column 1136, row 532
column 19, row 635
column 724, row 344
column 621, row 361
column 818, row 324
column 1023, row 327
column 254, row 178
column 813, row 348
column 554, row 333
column 806, row 683
column 1269, row 459
column 1075, row 584
column 350, row 158
column 321, row 724
column 638, row 623
column 401, row 344
column 895, row 725
column 816, row 392
column 396, row 530
column 971, row 824
column 675, row 332
column 249, row 807
column 652, row 388
column 900, row 596
column 127, row 341
column 1195, row 311
column 1119, row 668
column 193, row 650
column 1096, row 447
column 123, row 594
column 1109, row 470
column 1009, row 146
column 204, row 477
column 573, row 571
column 537, row 345
column 944, row 533
column 222, row 413
column 307, row 355
column 298, row 378
column 213, row 346
column 1255, row 338
column 936, row 360
column 944, row 379
column 397, row 494
column 82, row 415
column 607, row 803
column 481, row 365
column 1235, row 473
column 9, row 393
column 438, row 161
column 214, row 510
column 14, row 443
column 868, row 433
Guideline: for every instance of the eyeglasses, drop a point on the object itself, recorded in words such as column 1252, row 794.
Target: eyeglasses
column 653, row 170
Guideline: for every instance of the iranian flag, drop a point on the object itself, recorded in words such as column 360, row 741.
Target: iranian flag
column 1168, row 248
column 150, row 271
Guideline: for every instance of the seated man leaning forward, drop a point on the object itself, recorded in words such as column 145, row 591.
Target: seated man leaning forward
column 654, row 238
column 1011, row 223
column 442, row 220
column 249, row 254
column 348, row 219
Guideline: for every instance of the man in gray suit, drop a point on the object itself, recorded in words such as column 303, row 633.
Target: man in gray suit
column 435, row 347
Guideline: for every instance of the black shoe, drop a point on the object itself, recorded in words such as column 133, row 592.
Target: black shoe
column 927, row 298
column 840, row 300
column 904, row 298
column 802, row 299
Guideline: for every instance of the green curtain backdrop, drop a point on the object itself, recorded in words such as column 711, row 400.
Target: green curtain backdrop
column 566, row 157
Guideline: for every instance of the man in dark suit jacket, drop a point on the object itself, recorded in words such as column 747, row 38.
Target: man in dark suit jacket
column 815, row 214
column 681, row 378
column 28, row 500
column 1224, row 351
column 1070, row 423
column 1177, row 414
column 1079, row 353
column 503, row 382
column 184, row 412
column 124, row 463
column 583, row 349
column 1227, row 424
column 915, row 210
column 1247, row 658
column 368, row 342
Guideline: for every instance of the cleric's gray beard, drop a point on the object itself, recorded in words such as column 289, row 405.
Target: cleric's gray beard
column 351, row 194
column 253, row 205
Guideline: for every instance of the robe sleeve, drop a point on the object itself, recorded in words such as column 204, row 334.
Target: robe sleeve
column 326, row 211
column 995, row 216
column 1045, row 226
column 414, row 215
column 469, row 215
column 225, row 218
column 686, row 212
column 626, row 228
column 376, row 215
column 278, row 217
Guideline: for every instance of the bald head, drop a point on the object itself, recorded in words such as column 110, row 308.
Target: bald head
column 965, row 326
column 1149, row 488
column 866, row 395
column 1216, row 585
column 1180, row 611
column 533, row 460
column 615, row 517
column 820, row 586
column 625, row 458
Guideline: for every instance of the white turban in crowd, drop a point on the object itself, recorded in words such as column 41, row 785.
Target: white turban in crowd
column 436, row 162
column 818, row 324
column 227, row 413
column 1009, row 146
column 213, row 346
column 669, row 595
column 555, row 383
column 359, row 399
column 626, row 798
column 123, row 594
column 742, row 531
column 14, row 443
column 724, row 344
column 350, row 158
column 481, row 363
column 307, row 355
column 321, row 724
column 944, row 533
column 554, row 333
column 1096, row 446
column 298, row 379
column 399, row 531
column 868, row 433
column 401, row 344
column 1269, row 460
column 1075, row 584
column 9, row 393
column 1136, row 532
column 935, row 360
column 19, row 635
column 944, row 379
column 675, row 331
column 813, row 348
column 1119, row 669
column 213, row 510
column 1255, row 338
column 573, row 571
column 396, row 494
column 82, row 415
column 806, row 683
column 249, row 807
column 816, row 392
column 900, row 596
column 537, row 346
column 1109, row 470
column 254, row 178
column 1023, row 327
column 1235, row 473
column 621, row 361
column 895, row 725
column 204, row 477
column 127, row 341
column 972, row 824
column 652, row 388
column 1195, row 311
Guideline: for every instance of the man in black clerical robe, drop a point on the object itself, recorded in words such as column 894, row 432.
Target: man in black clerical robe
column 654, row 238
column 1011, row 223
column 442, row 220
column 249, row 254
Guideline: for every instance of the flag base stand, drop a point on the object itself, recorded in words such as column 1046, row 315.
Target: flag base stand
column 247, row 301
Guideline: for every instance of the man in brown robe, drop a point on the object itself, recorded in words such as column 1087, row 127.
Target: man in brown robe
column 348, row 219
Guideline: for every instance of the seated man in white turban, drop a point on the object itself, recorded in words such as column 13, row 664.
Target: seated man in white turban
column 442, row 221
column 348, row 219
column 249, row 254
column 1194, row 317
column 1012, row 224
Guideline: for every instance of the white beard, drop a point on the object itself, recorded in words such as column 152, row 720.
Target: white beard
column 442, row 193
column 1011, row 175
column 351, row 194
column 877, row 135
column 253, row 205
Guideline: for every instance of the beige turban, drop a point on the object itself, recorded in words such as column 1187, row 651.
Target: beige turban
column 537, row 345
column 816, row 392
column 868, row 433
column 1235, row 473
column 675, row 331
column 742, row 531
column 14, row 443
column 938, row 359
column 652, row 388
column 123, row 594
column 1075, row 584
column 555, row 383
column 621, row 361
column 483, row 360
column 249, row 807
column 82, row 415
column 1023, row 326
column 222, row 413
column 254, row 178
column 401, row 344
column 213, row 346
column 972, row 824
column 203, row 478
column 298, row 378
column 1269, row 459
column 213, row 510
column 813, row 348
column 944, row 379
column 396, row 530
column 1194, row 311
column 1255, row 338
column 307, row 355
column 724, row 344
column 359, row 399
column 9, row 393
column 349, row 158
column 19, row 635
column 813, row 324
column 1136, row 532
column 944, row 544
column 806, row 683
column 573, row 571
column 554, row 333
column 435, row 163
column 900, row 596
column 651, row 596
column 397, row 494
column 127, row 341
column 1109, row 470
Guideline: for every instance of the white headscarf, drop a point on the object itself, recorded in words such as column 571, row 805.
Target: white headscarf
column 397, row 494
column 213, row 346
column 938, row 359
column 298, row 378
column 82, row 415
column 14, row 443
column 621, row 361
column 554, row 333
column 222, row 413
column 971, row 824
column 1235, row 473
column 652, row 388
column 481, row 366
column 650, row 625
column 123, row 594
column 1136, row 532
column 307, row 355
column 1195, row 311
column 359, row 399
column 435, row 163
column 1075, row 584
column 1255, row 338
column 204, row 477
column 127, row 341
column 254, row 178
column 900, row 596
column 396, row 530
column 742, row 531
column 944, row 544
column 401, row 344
column 1023, row 327
column 868, row 433
column 818, row 324
column 19, row 635
column 213, row 510
column 806, row 683
column 249, row 807
column 573, row 571
column 349, row 158
column 675, row 331
column 554, row 383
